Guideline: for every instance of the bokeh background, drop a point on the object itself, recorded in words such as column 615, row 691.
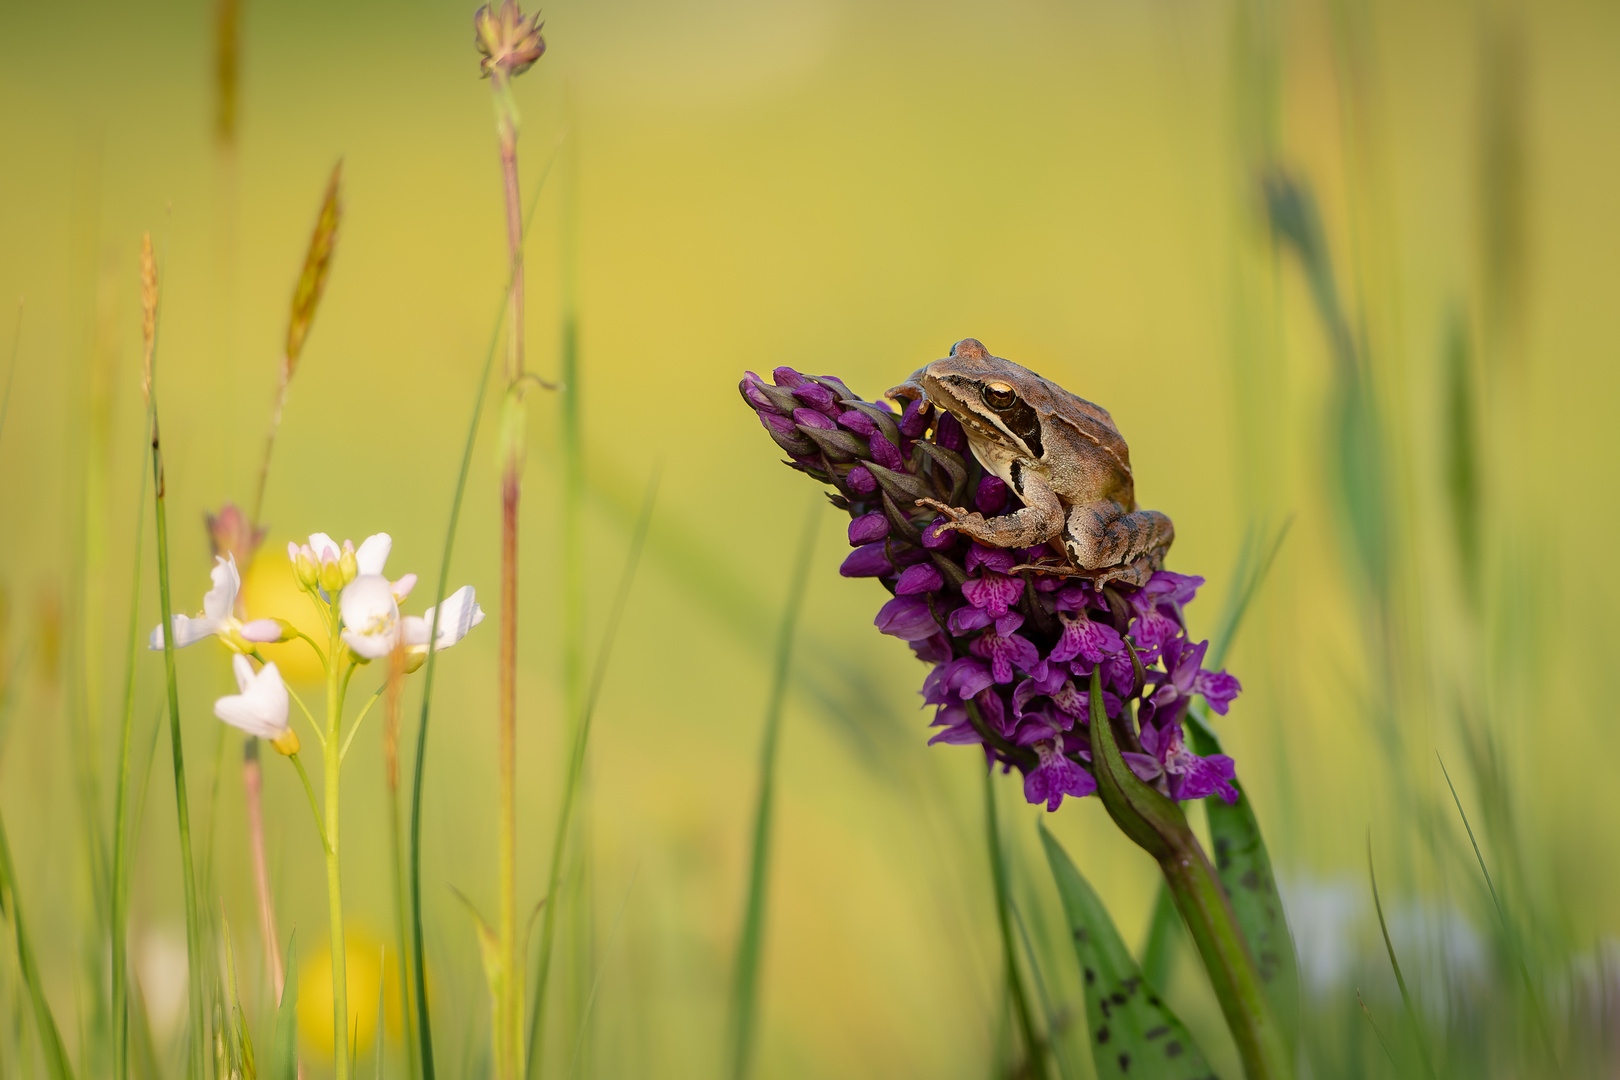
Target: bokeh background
column 846, row 188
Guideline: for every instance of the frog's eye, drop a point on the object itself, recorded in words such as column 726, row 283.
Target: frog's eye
column 998, row 395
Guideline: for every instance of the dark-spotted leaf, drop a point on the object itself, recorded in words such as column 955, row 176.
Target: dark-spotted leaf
column 1132, row 1032
column 1244, row 867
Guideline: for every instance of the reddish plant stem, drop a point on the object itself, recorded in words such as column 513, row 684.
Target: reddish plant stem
column 253, row 786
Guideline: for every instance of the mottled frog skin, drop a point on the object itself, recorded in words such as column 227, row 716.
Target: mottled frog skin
column 1060, row 453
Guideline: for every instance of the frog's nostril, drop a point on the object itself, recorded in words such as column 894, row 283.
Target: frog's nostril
column 970, row 349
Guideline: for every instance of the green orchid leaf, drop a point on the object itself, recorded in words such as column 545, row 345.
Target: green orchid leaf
column 1132, row 1032
column 1244, row 867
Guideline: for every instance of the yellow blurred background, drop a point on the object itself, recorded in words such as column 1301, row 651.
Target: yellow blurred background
column 846, row 188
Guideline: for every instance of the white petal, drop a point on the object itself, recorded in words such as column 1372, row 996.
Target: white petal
column 292, row 552
column 373, row 553
column 262, row 631
column 403, row 587
column 414, row 629
column 370, row 616
column 461, row 614
column 187, row 631
column 221, row 599
column 261, row 708
column 320, row 544
column 242, row 668
column 370, row 646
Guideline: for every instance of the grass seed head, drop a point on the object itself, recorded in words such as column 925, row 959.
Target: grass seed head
column 508, row 41
column 149, row 300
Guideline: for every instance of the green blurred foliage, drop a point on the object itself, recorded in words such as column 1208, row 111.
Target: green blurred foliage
column 846, row 188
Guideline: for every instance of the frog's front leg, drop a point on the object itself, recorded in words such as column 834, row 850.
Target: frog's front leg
column 1104, row 534
column 1039, row 520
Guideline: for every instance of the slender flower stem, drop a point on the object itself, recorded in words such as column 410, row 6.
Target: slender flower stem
column 314, row 805
column 508, row 1019
column 335, row 682
column 354, row 727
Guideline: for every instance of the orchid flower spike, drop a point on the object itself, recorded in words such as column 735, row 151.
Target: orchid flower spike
column 261, row 708
column 218, row 617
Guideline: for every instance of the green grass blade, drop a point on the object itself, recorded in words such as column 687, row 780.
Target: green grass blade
column 50, row 1038
column 1039, row 980
column 751, row 942
column 1412, row 1016
column 576, row 762
column 1260, row 549
column 424, row 1028
column 596, row 980
column 1132, row 1033
column 284, row 1062
column 1508, row 931
column 197, row 1057
column 377, row 1031
column 1034, row 1044
column 121, row 839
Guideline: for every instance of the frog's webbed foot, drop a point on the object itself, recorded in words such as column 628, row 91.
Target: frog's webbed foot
column 1114, row 544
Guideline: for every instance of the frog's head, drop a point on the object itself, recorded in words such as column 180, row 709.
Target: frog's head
column 989, row 396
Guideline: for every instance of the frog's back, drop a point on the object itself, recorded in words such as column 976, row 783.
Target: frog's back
column 1094, row 426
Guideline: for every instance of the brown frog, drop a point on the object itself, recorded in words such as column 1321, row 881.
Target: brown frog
column 1060, row 453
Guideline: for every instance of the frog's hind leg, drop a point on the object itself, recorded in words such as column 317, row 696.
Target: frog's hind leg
column 1104, row 535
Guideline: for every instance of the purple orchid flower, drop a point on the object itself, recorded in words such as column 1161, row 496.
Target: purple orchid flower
column 1009, row 654
column 1187, row 677
column 1055, row 776
column 1189, row 776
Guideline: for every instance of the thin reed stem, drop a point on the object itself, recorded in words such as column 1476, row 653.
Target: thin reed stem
column 253, row 791
column 751, row 945
column 1034, row 1045
column 197, row 1053
column 121, row 839
column 424, row 1027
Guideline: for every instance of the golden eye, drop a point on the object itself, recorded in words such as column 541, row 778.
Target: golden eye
column 998, row 395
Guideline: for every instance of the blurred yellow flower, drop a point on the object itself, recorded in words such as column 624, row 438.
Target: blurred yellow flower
column 366, row 976
column 270, row 589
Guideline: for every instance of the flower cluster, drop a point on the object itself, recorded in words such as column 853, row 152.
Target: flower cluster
column 1011, row 649
column 368, row 623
